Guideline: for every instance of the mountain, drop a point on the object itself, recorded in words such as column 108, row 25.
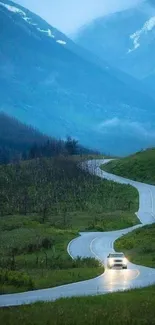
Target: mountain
column 125, row 39
column 150, row 81
column 46, row 80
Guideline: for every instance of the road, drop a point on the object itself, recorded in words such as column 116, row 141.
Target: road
column 99, row 244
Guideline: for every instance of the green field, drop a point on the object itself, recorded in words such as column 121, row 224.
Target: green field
column 43, row 206
column 139, row 167
column 139, row 246
column 61, row 193
column 34, row 255
column 135, row 307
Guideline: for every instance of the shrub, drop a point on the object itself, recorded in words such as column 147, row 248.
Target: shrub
column 148, row 249
column 59, row 263
column 46, row 243
column 18, row 279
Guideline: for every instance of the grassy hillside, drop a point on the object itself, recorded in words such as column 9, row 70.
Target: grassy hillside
column 129, row 308
column 60, row 192
column 140, row 167
column 139, row 246
column 43, row 205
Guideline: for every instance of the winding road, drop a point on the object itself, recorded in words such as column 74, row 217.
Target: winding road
column 99, row 244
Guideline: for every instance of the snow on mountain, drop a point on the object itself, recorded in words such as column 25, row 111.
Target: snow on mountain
column 147, row 27
column 67, row 90
column 61, row 42
column 13, row 9
column 126, row 40
column 29, row 20
column 48, row 32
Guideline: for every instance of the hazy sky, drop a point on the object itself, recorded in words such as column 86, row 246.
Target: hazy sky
column 69, row 15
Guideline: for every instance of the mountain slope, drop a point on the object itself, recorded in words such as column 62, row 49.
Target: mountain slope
column 125, row 39
column 44, row 82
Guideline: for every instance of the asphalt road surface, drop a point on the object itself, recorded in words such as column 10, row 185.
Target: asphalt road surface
column 99, row 244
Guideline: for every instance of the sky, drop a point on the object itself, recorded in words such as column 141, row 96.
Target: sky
column 69, row 15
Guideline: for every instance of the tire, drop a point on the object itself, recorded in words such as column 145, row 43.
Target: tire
column 124, row 267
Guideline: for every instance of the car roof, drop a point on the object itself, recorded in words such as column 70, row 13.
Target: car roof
column 116, row 253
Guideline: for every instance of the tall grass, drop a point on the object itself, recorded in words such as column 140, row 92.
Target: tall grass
column 135, row 307
column 139, row 246
column 38, row 253
column 57, row 188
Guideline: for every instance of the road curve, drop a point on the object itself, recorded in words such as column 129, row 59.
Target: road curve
column 99, row 244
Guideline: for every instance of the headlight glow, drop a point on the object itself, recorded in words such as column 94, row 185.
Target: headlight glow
column 124, row 260
column 111, row 261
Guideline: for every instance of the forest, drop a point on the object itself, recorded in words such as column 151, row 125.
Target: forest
column 19, row 141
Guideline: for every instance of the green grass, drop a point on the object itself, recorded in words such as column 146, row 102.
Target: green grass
column 134, row 307
column 139, row 246
column 139, row 167
column 84, row 157
column 38, row 251
column 43, row 278
column 43, row 206
column 66, row 196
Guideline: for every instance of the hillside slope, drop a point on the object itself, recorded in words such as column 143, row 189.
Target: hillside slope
column 17, row 138
column 139, row 167
column 17, row 135
column 47, row 82
column 125, row 39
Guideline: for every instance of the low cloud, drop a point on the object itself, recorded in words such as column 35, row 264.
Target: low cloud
column 69, row 15
column 116, row 125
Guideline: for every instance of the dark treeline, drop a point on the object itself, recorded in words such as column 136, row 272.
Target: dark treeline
column 52, row 148
column 21, row 142
column 16, row 139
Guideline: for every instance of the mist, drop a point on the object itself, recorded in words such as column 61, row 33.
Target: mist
column 69, row 15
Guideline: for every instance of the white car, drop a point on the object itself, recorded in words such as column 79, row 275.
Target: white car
column 116, row 259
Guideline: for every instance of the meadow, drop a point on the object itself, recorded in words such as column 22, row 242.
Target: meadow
column 135, row 307
column 44, row 203
column 139, row 246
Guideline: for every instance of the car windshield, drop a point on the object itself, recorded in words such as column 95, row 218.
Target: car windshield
column 117, row 255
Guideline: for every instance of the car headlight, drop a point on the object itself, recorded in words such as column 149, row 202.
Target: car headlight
column 125, row 260
column 111, row 261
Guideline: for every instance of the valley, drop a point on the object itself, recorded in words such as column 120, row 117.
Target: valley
column 77, row 162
